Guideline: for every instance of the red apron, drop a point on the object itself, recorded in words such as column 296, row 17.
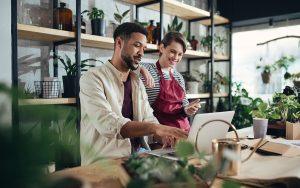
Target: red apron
column 168, row 104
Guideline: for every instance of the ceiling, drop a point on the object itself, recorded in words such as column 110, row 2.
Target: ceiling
column 249, row 12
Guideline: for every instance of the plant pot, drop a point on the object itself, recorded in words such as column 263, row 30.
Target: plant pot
column 69, row 86
column 98, row 27
column 293, row 131
column 297, row 83
column 260, row 126
column 277, row 128
column 192, row 87
column 266, row 77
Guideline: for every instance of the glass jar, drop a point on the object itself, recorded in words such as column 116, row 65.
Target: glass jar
column 63, row 18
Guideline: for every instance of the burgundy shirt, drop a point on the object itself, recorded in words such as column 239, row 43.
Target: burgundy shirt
column 127, row 111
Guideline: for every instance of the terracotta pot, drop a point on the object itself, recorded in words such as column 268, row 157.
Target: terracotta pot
column 293, row 131
column 266, row 77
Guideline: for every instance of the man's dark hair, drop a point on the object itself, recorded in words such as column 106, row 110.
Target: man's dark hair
column 126, row 29
column 174, row 36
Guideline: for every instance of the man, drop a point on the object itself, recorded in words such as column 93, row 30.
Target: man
column 114, row 104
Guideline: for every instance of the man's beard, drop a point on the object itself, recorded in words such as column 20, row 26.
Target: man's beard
column 129, row 62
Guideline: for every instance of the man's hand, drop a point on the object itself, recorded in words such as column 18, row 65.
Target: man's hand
column 192, row 108
column 149, row 81
column 169, row 135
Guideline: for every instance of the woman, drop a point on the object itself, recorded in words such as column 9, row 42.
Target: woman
column 168, row 97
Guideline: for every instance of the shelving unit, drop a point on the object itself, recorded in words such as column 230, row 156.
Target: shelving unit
column 57, row 37
column 29, row 32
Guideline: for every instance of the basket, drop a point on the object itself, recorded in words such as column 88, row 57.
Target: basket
column 47, row 89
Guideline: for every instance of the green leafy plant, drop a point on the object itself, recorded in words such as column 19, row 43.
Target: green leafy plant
column 119, row 17
column 219, row 80
column 188, row 77
column 261, row 111
column 28, row 151
column 95, row 13
column 243, row 105
column 285, row 107
column 175, row 25
column 285, row 62
column 267, row 69
column 71, row 68
column 219, row 41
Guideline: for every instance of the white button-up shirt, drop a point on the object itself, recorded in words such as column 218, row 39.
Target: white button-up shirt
column 101, row 98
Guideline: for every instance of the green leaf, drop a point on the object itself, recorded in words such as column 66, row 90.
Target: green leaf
column 184, row 149
column 118, row 18
column 125, row 13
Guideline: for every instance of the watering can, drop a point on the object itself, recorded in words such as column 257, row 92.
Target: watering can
column 227, row 146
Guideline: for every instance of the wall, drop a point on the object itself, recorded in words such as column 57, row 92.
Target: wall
column 5, row 38
column 247, row 55
column 5, row 63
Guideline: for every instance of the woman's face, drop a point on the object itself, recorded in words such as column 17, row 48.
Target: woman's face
column 170, row 55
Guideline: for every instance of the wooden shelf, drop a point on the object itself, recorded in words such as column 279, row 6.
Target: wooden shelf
column 197, row 96
column 24, row 102
column 30, row 32
column 181, row 10
column 205, row 95
column 220, row 94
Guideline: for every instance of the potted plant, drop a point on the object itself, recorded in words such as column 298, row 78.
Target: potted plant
column 219, row 44
column 119, row 17
column 266, row 71
column 69, row 80
column 284, row 62
column 175, row 25
column 206, row 43
column 97, row 21
column 243, row 105
column 260, row 120
column 284, row 108
column 219, row 80
column 192, row 83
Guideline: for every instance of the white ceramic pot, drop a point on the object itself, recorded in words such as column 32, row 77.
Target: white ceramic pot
column 260, row 126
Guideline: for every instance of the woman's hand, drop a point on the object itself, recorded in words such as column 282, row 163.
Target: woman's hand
column 192, row 108
column 149, row 81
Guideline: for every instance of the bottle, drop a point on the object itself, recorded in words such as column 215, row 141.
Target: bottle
column 83, row 26
column 194, row 43
column 150, row 30
column 63, row 18
column 26, row 18
column 157, row 34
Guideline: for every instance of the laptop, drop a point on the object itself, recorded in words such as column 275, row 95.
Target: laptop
column 213, row 130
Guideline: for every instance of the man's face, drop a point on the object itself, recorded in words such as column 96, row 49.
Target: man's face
column 133, row 50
